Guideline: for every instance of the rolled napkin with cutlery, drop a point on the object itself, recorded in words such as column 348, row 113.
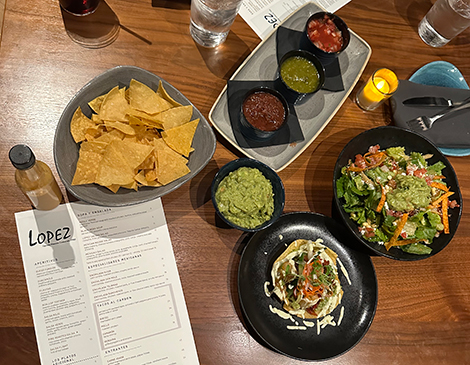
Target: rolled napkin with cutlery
column 412, row 101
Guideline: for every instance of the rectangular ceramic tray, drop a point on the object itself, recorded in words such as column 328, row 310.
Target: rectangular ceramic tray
column 314, row 114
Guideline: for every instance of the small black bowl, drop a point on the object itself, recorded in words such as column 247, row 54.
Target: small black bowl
column 389, row 136
column 291, row 95
column 323, row 56
column 270, row 174
column 254, row 133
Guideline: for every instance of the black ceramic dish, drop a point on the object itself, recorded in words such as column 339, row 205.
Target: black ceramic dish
column 359, row 299
column 386, row 137
column 251, row 131
column 293, row 96
column 325, row 57
column 270, row 174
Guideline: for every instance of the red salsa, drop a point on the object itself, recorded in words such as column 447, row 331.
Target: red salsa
column 324, row 34
column 264, row 111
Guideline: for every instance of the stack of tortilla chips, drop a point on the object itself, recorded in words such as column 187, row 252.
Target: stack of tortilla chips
column 138, row 137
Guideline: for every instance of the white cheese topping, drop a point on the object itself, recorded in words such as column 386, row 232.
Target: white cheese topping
column 296, row 328
column 341, row 314
column 343, row 270
column 309, row 323
column 280, row 313
column 326, row 321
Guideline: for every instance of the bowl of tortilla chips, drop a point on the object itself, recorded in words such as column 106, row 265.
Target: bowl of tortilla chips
column 128, row 137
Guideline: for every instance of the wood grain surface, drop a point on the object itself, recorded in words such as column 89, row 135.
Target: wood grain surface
column 423, row 313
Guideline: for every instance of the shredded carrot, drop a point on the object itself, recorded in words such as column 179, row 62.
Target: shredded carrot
column 382, row 200
column 397, row 232
column 405, row 242
column 445, row 216
column 372, row 160
column 439, row 185
column 436, row 202
column 438, row 177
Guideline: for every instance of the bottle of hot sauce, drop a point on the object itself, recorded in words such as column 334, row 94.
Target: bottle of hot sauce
column 35, row 179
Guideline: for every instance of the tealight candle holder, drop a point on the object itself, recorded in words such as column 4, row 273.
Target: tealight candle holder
column 380, row 86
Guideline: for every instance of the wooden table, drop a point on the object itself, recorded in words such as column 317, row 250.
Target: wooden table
column 423, row 313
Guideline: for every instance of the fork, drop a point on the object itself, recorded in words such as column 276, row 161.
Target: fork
column 423, row 122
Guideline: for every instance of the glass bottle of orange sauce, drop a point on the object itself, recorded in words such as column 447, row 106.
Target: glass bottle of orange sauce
column 35, row 178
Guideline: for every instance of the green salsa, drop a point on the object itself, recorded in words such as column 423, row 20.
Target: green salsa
column 245, row 197
column 300, row 74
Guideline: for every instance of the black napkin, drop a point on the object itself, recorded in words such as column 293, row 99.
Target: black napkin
column 451, row 132
column 236, row 91
column 288, row 40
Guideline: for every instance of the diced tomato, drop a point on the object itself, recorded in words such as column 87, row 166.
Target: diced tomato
column 369, row 232
column 420, row 173
column 374, row 149
column 453, row 204
column 360, row 162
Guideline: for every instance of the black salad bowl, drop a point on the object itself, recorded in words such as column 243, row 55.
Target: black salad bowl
column 390, row 136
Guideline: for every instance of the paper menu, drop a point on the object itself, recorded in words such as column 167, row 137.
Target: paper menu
column 104, row 287
column 265, row 15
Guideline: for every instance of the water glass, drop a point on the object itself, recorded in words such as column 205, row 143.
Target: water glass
column 445, row 20
column 211, row 20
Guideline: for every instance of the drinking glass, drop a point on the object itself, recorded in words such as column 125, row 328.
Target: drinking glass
column 79, row 7
column 211, row 20
column 445, row 20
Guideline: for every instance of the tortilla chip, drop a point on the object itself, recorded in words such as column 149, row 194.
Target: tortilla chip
column 114, row 168
column 88, row 162
column 143, row 98
column 126, row 129
column 95, row 104
column 174, row 117
column 123, row 127
column 141, row 179
column 180, row 138
column 171, row 166
column 114, row 106
column 79, row 125
column 163, row 94
column 114, row 188
column 133, row 153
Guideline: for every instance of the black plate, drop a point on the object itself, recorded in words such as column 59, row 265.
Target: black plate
column 386, row 137
column 359, row 299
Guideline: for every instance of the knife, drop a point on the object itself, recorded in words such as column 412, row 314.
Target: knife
column 433, row 101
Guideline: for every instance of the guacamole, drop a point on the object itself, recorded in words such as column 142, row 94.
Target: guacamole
column 410, row 193
column 245, row 197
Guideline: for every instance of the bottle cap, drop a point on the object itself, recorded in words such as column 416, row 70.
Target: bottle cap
column 22, row 157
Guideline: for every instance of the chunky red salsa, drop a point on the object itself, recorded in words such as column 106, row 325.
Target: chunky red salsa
column 324, row 34
column 264, row 111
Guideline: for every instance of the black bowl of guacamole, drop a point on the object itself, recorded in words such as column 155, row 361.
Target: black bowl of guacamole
column 247, row 194
column 377, row 226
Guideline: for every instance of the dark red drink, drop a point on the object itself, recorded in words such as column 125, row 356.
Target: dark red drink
column 79, row 7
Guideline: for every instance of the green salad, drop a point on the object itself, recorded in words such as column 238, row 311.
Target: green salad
column 397, row 200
